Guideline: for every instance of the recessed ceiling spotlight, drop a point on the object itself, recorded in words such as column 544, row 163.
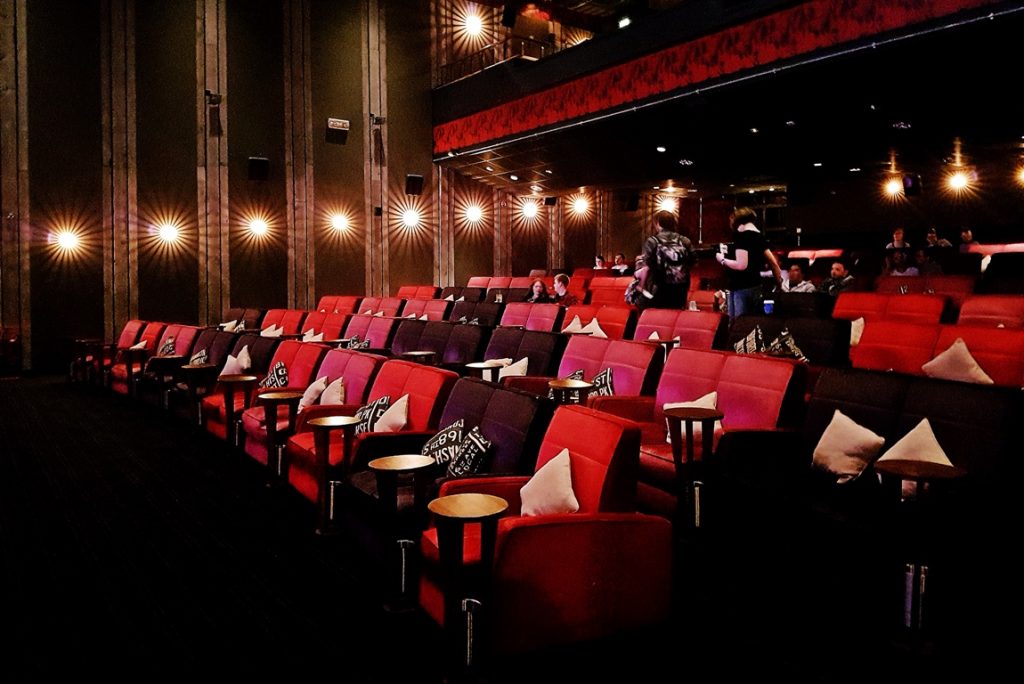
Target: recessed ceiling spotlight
column 771, row 188
column 873, row 108
column 732, row 185
column 670, row 189
column 513, row 177
column 660, row 148
column 753, row 130
column 488, row 168
column 817, row 164
column 624, row 22
column 854, row 169
column 692, row 190
column 791, row 123
column 686, row 162
column 548, row 171
column 901, row 125
column 751, row 192
column 535, row 188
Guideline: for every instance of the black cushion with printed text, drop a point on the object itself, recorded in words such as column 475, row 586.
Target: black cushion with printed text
column 199, row 357
column 603, row 383
column 471, row 456
column 444, row 446
column 277, row 377
column 369, row 415
column 167, row 349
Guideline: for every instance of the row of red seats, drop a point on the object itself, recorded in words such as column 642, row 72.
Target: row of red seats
column 991, row 310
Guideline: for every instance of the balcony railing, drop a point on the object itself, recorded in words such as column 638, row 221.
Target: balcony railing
column 495, row 53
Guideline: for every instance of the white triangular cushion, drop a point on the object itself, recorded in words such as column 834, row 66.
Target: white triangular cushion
column 594, row 328
column 846, row 448
column 918, row 445
column 229, row 326
column 232, row 366
column 395, row 418
column 334, row 393
column 244, row 359
column 272, row 331
column 708, row 401
column 313, row 392
column 424, row 317
column 575, row 325
column 140, row 345
column 654, row 336
column 856, row 330
column 549, row 491
column 379, row 314
column 956, row 363
column 517, row 368
column 450, row 298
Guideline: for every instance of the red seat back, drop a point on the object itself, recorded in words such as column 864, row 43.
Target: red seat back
column 130, row 334
column 999, row 352
column 151, row 336
column 915, row 308
column 516, row 313
column 369, row 304
column 689, row 374
column 358, row 325
column 479, row 281
column 273, row 317
column 609, row 290
column 892, row 345
column 584, row 311
column 634, row 365
column 390, row 306
column 358, row 369
column 993, row 310
column 338, row 304
column 853, row 305
column 380, row 331
column 183, row 335
column 695, row 329
column 542, row 317
column 616, row 321
column 427, row 387
column 604, row 453
column 752, row 391
column 521, row 282
column 300, row 359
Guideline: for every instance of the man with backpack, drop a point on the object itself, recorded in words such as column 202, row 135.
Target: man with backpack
column 668, row 256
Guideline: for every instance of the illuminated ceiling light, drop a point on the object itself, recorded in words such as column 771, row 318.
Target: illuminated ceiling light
column 666, row 204
column 474, row 25
column 791, row 124
column 893, row 187
column 686, row 162
column 854, row 169
column 901, row 125
column 548, row 171
column 670, row 189
column 258, row 227
column 753, row 130
column 958, row 181
column 410, row 218
column 474, row 213
column 771, row 188
column 660, row 148
column 657, row 187
column 751, row 191
column 514, row 177
column 624, row 22
column 692, row 190
column 1020, row 175
column 580, row 205
column 529, row 210
column 488, row 168
column 535, row 188
column 339, row 222
column 817, row 165
column 168, row 232
column 67, row 240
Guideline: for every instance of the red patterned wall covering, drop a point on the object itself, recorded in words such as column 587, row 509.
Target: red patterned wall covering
column 812, row 26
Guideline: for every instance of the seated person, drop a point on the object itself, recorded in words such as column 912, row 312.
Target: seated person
column 599, row 262
column 898, row 264
column 966, row 238
column 935, row 241
column 839, row 280
column 538, row 293
column 897, row 240
column 925, row 264
column 562, row 295
column 620, row 265
column 793, row 280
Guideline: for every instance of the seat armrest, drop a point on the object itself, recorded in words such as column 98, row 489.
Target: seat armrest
column 507, row 487
column 762, row 458
column 638, row 409
column 534, row 384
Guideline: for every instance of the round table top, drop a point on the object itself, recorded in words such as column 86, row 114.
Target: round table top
column 401, row 463
column 333, row 421
column 286, row 395
column 198, row 366
column 484, row 364
column 693, row 413
column 564, row 384
column 237, row 377
column 468, row 506
column 918, row 470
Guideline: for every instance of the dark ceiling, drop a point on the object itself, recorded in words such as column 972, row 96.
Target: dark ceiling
column 911, row 98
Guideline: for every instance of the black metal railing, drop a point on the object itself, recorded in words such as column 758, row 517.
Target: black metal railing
column 495, row 53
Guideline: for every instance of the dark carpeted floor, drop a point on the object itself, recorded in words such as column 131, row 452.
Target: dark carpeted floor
column 134, row 546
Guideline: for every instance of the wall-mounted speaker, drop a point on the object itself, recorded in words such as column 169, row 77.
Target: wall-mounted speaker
column 413, row 184
column 550, row 201
column 337, row 131
column 259, row 168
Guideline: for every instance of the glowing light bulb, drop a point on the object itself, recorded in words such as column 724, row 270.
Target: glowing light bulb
column 529, row 209
column 666, row 204
column 958, row 181
column 893, row 187
column 67, row 240
column 580, row 205
column 474, row 25
column 168, row 232
column 339, row 222
column 474, row 213
column 410, row 218
column 258, row 227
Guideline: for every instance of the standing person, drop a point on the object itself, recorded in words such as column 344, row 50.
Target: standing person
column 751, row 251
column 668, row 256
column 562, row 295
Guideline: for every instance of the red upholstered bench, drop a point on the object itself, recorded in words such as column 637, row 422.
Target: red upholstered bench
column 343, row 304
column 993, row 310
column 695, row 329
